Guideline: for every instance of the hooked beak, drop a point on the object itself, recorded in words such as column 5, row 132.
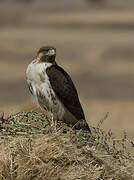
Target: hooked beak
column 51, row 52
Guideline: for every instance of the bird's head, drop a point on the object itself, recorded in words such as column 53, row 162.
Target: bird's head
column 47, row 54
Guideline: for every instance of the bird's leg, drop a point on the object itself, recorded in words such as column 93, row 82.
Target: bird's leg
column 53, row 122
column 55, row 125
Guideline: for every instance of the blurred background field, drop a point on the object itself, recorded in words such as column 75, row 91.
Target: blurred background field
column 95, row 45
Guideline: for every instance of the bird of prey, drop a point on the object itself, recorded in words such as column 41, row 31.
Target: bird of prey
column 53, row 90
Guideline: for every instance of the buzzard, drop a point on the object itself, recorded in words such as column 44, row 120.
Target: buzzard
column 53, row 90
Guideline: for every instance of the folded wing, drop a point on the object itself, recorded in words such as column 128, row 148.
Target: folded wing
column 65, row 90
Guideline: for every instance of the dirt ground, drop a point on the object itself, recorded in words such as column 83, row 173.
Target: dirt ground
column 95, row 47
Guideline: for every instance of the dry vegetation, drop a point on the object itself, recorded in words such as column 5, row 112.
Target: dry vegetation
column 93, row 45
column 32, row 149
column 103, row 40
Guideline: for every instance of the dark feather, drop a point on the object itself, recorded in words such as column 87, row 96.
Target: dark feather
column 30, row 88
column 65, row 90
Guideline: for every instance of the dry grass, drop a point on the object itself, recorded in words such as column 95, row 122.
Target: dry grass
column 103, row 40
column 32, row 149
column 104, row 79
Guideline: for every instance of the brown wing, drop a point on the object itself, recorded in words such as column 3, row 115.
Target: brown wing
column 65, row 90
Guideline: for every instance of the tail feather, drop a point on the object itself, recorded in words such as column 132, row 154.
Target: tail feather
column 82, row 124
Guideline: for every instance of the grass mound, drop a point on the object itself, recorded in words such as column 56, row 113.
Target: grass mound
column 32, row 150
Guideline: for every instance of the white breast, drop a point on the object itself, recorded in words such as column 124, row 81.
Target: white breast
column 37, row 78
